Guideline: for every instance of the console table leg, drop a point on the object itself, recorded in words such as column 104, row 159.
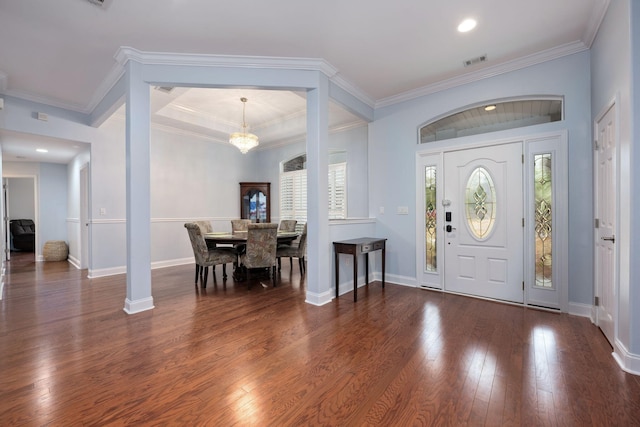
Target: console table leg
column 337, row 267
column 383, row 258
column 366, row 269
column 355, row 277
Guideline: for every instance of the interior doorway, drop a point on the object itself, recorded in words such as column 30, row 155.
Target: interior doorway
column 20, row 204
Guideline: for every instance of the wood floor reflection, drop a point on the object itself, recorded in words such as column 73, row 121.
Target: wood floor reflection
column 225, row 355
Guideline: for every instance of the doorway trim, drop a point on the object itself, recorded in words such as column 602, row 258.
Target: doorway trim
column 435, row 155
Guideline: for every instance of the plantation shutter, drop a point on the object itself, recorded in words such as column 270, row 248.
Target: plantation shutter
column 338, row 191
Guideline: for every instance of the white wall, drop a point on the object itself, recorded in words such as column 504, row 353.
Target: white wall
column 53, row 203
column 393, row 144
column 614, row 68
column 191, row 179
column 21, row 201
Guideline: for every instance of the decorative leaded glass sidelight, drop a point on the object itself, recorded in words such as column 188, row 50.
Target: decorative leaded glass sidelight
column 480, row 203
column 543, row 192
column 430, row 217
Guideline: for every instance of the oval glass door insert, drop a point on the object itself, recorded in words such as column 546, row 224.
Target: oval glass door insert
column 480, row 203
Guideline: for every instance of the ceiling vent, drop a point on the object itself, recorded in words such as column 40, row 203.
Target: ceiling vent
column 102, row 3
column 165, row 89
column 476, row 60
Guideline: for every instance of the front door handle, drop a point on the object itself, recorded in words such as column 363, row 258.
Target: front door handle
column 611, row 239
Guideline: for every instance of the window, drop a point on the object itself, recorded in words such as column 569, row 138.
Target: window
column 293, row 188
column 492, row 117
column 337, row 191
column 543, row 214
column 430, row 218
column 293, row 195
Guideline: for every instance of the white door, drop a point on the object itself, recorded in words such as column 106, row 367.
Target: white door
column 84, row 218
column 7, row 231
column 484, row 210
column 605, row 207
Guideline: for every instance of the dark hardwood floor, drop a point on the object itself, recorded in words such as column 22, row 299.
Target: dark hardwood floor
column 225, row 355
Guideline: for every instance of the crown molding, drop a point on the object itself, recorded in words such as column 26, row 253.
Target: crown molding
column 125, row 54
column 263, row 146
column 597, row 16
column 492, row 71
column 346, row 85
column 26, row 96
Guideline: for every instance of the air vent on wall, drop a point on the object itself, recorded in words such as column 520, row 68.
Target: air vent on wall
column 475, row 60
column 165, row 89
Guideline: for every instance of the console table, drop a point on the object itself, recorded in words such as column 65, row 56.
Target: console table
column 355, row 247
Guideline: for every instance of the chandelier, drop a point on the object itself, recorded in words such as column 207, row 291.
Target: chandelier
column 243, row 140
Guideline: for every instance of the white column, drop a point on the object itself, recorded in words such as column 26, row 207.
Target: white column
column 138, row 192
column 318, row 247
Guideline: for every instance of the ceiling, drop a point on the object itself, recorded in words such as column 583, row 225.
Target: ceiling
column 61, row 52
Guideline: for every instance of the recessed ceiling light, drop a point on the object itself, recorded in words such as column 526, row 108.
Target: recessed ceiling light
column 467, row 25
column 42, row 150
column 489, row 108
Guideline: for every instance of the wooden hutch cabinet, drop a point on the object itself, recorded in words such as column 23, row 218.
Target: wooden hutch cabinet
column 255, row 201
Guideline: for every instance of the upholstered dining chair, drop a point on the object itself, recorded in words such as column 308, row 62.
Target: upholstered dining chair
column 262, row 242
column 298, row 250
column 288, row 225
column 205, row 226
column 240, row 224
column 206, row 257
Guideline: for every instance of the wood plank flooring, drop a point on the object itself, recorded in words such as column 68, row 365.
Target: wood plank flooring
column 225, row 355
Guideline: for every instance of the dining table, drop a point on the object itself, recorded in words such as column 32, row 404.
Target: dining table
column 238, row 239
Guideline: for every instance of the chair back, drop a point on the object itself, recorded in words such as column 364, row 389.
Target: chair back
column 302, row 244
column 200, row 250
column 262, row 242
column 288, row 225
column 240, row 224
column 205, row 226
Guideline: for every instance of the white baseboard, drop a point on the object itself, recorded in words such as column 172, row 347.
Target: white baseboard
column 396, row 279
column 133, row 307
column 319, row 299
column 172, row 263
column 74, row 261
column 104, row 272
column 628, row 362
column 583, row 310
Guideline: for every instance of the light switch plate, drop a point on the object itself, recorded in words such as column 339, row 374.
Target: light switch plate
column 403, row 210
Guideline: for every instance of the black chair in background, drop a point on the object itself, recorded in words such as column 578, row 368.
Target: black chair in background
column 23, row 234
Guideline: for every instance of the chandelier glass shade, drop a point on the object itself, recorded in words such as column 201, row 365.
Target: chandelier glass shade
column 244, row 140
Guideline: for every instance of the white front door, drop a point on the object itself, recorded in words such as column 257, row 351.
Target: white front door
column 483, row 222
column 605, row 207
